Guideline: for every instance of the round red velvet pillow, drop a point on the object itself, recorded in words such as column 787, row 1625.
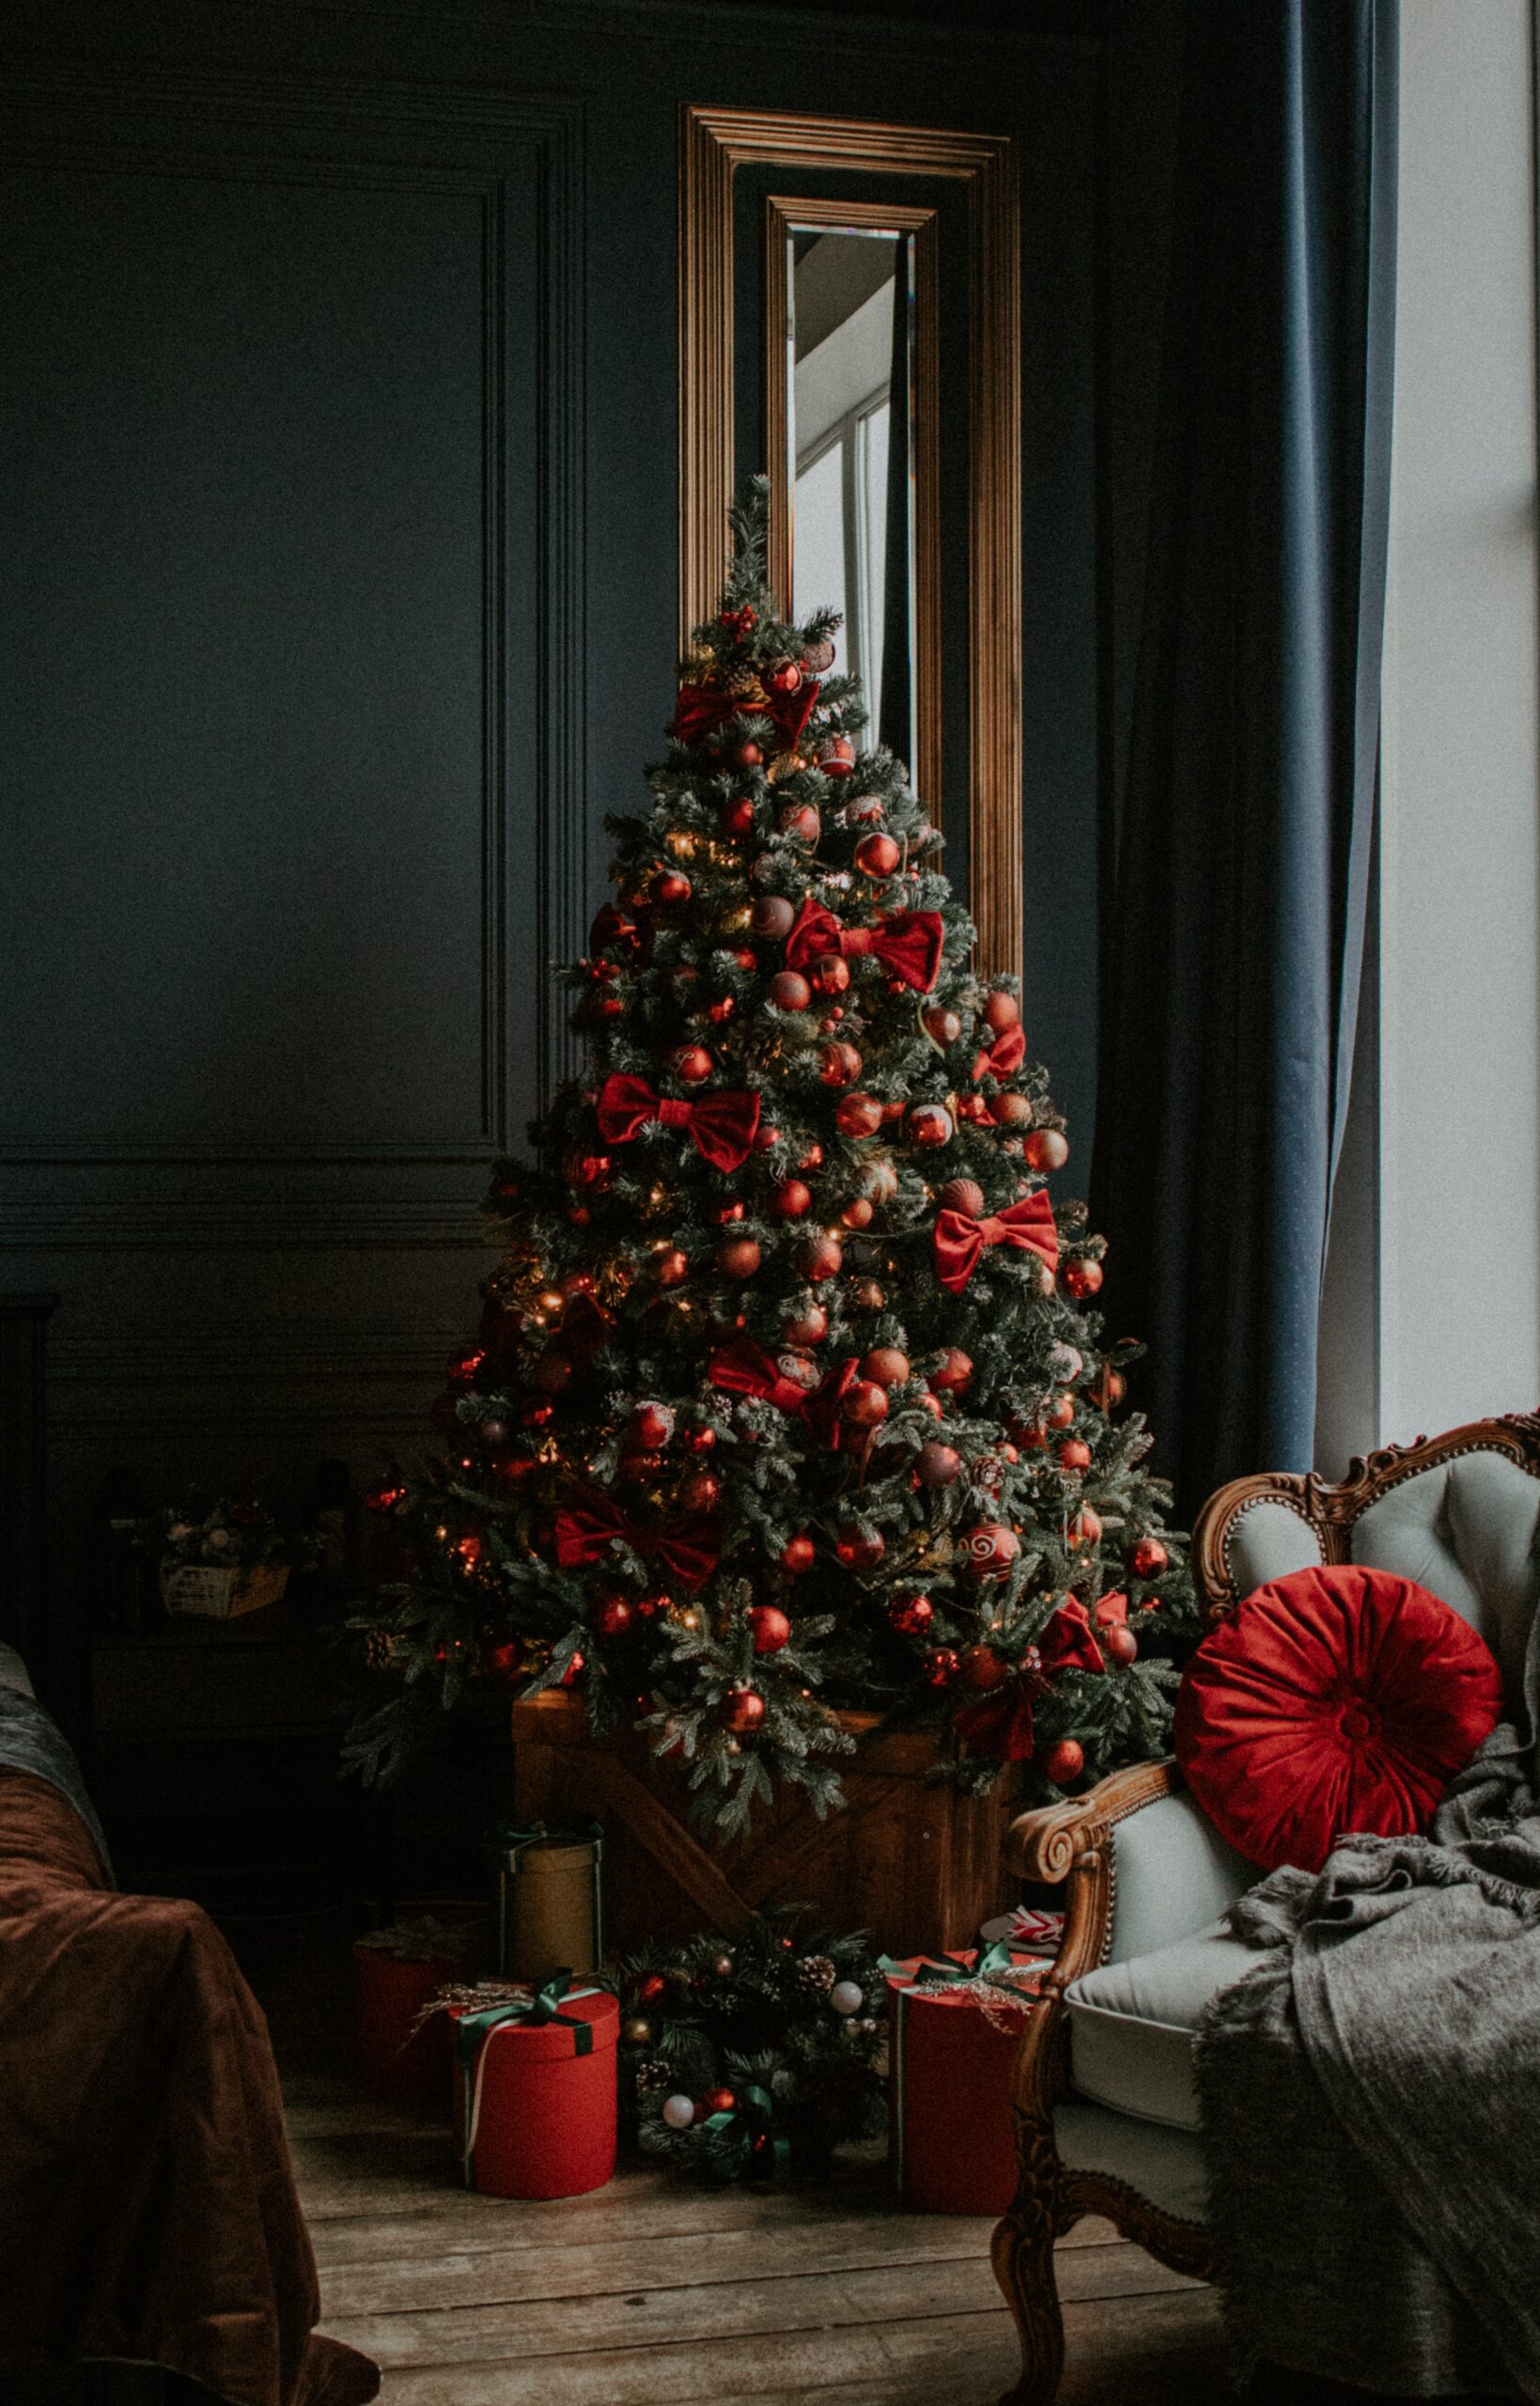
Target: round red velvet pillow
column 1335, row 1699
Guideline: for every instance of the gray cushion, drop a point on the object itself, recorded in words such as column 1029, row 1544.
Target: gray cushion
column 1268, row 1540
column 1164, row 2165
column 1132, row 2026
column 1173, row 1874
column 13, row 1671
column 1467, row 1531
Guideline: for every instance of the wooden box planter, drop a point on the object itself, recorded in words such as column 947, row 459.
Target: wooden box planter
column 917, row 1865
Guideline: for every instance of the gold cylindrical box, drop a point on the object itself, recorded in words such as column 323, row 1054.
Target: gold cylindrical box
column 549, row 1916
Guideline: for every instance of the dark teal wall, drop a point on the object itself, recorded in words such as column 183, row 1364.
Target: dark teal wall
column 339, row 443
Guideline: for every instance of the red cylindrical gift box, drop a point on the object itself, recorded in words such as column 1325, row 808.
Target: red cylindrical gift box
column 397, row 2061
column 949, row 2098
column 537, row 2117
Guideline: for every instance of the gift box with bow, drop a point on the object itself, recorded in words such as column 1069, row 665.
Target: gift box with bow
column 535, row 2089
column 956, row 2023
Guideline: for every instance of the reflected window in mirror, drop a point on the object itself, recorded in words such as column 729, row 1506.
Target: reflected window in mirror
column 850, row 382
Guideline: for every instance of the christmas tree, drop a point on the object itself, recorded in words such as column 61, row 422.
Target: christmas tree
column 787, row 1399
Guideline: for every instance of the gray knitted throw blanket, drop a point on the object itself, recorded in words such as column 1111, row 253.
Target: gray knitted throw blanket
column 1370, row 2099
column 31, row 1740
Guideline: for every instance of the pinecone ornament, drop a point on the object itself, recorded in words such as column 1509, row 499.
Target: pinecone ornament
column 743, row 685
column 651, row 2074
column 815, row 1974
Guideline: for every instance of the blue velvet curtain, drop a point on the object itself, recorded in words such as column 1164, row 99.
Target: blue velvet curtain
column 1233, row 937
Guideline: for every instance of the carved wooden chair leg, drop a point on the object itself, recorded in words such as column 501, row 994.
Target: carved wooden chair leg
column 1022, row 2251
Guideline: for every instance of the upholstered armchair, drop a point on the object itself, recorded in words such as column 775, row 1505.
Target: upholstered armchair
column 1106, row 2107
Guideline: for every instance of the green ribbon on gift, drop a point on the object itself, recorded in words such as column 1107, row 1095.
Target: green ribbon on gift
column 754, row 2116
column 473, row 2030
column 931, row 1971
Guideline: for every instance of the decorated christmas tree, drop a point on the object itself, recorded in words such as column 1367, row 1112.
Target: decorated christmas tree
column 788, row 1398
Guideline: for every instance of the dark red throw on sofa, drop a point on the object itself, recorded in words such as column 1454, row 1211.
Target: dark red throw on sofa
column 147, row 2206
column 1338, row 1698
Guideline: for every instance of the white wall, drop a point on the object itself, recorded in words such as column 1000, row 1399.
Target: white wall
column 1458, row 1184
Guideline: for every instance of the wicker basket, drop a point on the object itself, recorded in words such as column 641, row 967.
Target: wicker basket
column 208, row 1592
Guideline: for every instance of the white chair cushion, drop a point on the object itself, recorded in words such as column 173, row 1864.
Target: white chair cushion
column 1132, row 2026
column 1467, row 1531
column 1268, row 1540
column 13, row 1671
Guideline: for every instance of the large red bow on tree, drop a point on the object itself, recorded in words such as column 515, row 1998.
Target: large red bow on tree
column 743, row 1368
column 589, row 1521
column 722, row 1126
column 1067, row 1644
column 1000, row 1725
column 702, row 708
column 906, row 942
column 1005, row 1056
column 960, row 1240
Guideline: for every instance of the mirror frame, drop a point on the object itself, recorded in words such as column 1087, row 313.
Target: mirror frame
column 784, row 212
column 714, row 143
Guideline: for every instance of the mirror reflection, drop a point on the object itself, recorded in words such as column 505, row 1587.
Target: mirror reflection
column 850, row 373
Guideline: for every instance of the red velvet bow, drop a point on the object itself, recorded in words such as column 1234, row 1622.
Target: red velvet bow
column 722, row 1126
column 1067, row 1644
column 1001, row 1725
column 589, row 1521
column 743, row 1368
column 702, row 708
column 960, row 1240
column 906, row 942
column 1005, row 1056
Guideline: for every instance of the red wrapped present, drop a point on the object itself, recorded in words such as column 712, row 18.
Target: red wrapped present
column 399, row 2058
column 956, row 2023
column 536, row 2085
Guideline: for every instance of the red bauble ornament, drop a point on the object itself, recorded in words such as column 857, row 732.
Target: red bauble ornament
column 785, row 678
column 671, row 1268
column 503, row 1661
column 841, row 1065
column 801, row 819
column 722, row 1010
column 1108, row 1388
column 819, row 655
column 582, row 1168
column 1120, row 1643
column 822, row 1258
column 887, row 1365
column 741, row 1710
column 1059, row 1412
column 812, row 1158
column 930, row 1123
column 717, row 2101
column 1073, row 1455
column 857, row 1213
column 881, row 1179
column 953, row 1372
column 963, row 1194
column 877, row 856
column 727, row 1211
column 796, row 1556
column 941, row 1667
column 770, row 1627
column 867, row 1295
column 809, row 1327
column 1001, row 1010
column 858, row 1552
column 982, row 1667
column 699, row 1441
column 461, row 1367
column 858, row 1114
column 836, row 756
column 831, row 973
column 748, row 754
column 913, row 1616
column 988, row 1549
column 652, row 1989
column 651, row 1425
column 791, row 1199
column 865, row 1404
column 692, row 1063
column 575, row 1668
column 789, row 991
column 941, row 1024
column 612, row 1617
column 1046, row 1148
column 1085, row 1528
column 737, row 818
column 772, row 917
column 766, row 1136
column 1081, row 1277
column 1011, row 1110
column 647, row 1607
column 671, row 887
column 738, row 1258
column 1149, row 1558
column 939, row 1465
column 700, row 1492
column 1063, row 1762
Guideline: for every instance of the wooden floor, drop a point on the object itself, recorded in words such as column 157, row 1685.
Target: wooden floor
column 655, row 2289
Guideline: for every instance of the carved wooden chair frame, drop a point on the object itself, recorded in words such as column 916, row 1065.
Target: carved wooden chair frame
column 1067, row 1845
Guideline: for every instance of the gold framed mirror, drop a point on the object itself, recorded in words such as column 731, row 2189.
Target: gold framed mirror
column 898, row 161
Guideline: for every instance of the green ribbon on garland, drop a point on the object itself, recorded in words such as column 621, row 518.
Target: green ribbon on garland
column 473, row 2030
column 755, row 2115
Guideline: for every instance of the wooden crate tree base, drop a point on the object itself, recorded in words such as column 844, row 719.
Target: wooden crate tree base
column 917, row 1865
